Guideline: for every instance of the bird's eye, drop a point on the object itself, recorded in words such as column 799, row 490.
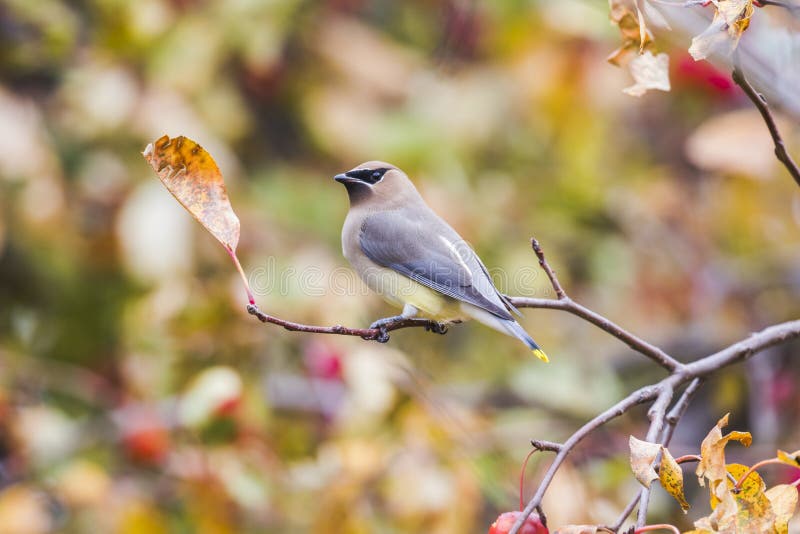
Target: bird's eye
column 377, row 174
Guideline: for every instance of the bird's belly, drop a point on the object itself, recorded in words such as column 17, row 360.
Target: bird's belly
column 400, row 290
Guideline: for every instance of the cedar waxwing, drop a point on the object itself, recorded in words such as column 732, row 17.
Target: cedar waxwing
column 415, row 260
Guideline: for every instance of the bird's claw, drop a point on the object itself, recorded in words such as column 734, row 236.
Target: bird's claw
column 436, row 328
column 382, row 336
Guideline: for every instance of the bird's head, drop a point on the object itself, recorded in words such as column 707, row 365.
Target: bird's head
column 377, row 181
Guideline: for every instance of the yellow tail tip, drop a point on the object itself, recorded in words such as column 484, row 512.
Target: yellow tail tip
column 539, row 353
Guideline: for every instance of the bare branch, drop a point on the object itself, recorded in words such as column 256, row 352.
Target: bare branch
column 364, row 333
column 542, row 445
column 551, row 274
column 745, row 349
column 657, row 414
column 627, row 511
column 763, row 108
column 636, row 343
column 679, row 409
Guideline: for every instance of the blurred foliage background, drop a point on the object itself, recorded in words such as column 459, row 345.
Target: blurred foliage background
column 136, row 394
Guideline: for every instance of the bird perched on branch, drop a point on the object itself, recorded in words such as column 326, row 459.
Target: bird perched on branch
column 414, row 259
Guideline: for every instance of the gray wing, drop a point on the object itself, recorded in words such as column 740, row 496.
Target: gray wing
column 428, row 251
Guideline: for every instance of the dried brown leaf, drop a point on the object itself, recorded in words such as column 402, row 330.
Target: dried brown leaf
column 731, row 19
column 193, row 178
column 712, row 452
column 625, row 14
column 784, row 501
column 649, row 72
column 643, row 454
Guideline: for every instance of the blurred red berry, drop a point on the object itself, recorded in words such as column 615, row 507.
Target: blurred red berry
column 323, row 361
column 702, row 75
column 147, row 445
column 505, row 521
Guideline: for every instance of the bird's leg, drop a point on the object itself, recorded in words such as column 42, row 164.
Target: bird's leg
column 381, row 325
column 437, row 327
column 409, row 311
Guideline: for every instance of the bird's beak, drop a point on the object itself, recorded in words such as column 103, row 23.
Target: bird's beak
column 343, row 178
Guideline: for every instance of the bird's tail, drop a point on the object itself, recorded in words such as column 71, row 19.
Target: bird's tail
column 516, row 330
column 507, row 326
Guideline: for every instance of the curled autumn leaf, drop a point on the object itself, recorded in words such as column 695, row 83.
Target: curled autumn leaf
column 731, row 19
column 752, row 507
column 193, row 178
column 791, row 458
column 712, row 452
column 649, row 72
column 784, row 501
column 671, row 477
column 643, row 454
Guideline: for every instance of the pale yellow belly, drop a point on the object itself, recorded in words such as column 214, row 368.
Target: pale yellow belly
column 400, row 290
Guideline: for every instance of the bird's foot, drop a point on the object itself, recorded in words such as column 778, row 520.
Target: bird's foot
column 381, row 325
column 436, row 327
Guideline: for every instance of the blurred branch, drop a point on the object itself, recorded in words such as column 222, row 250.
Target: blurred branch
column 761, row 104
column 794, row 9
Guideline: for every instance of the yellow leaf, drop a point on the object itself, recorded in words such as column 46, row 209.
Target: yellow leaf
column 784, row 500
column 193, row 178
column 649, row 72
column 712, row 452
column 723, row 516
column 671, row 477
column 731, row 19
column 752, row 507
column 643, row 454
column 791, row 458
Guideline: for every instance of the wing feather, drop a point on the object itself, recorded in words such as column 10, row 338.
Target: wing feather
column 428, row 251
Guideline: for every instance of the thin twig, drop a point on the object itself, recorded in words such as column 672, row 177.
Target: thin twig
column 627, row 511
column 565, row 303
column 761, row 104
column 551, row 274
column 745, row 349
column 570, row 306
column 542, row 445
column 679, row 409
column 657, row 414
column 364, row 333
column 688, row 458
column 660, row 526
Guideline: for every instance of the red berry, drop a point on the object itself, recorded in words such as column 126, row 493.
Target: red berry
column 147, row 445
column 505, row 521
